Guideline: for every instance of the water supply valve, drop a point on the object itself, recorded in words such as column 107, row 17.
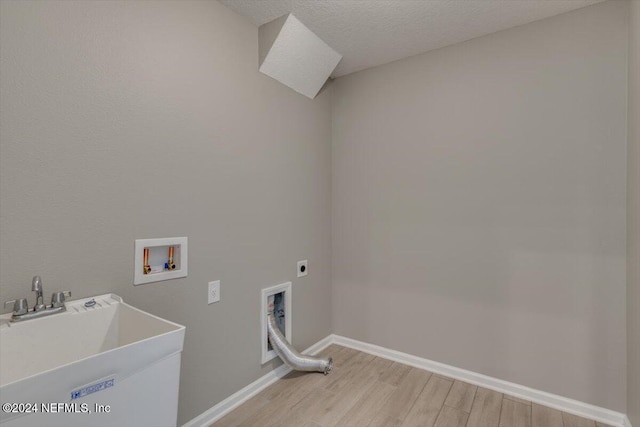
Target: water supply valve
column 58, row 298
column 20, row 306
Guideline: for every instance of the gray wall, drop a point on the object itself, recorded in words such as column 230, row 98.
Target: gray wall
column 124, row 120
column 633, row 218
column 478, row 190
column 479, row 205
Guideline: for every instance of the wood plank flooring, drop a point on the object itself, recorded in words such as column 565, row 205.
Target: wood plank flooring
column 368, row 391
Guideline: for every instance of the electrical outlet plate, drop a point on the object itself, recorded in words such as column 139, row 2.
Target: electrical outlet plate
column 213, row 294
column 303, row 268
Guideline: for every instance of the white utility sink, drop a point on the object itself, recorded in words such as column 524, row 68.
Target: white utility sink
column 112, row 355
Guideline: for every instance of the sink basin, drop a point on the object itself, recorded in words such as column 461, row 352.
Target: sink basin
column 105, row 365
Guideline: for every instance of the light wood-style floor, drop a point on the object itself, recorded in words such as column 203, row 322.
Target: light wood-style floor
column 368, row 391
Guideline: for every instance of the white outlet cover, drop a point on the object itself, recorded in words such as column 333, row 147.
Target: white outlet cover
column 213, row 294
column 304, row 263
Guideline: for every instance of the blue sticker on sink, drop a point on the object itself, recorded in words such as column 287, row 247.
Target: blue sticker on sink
column 93, row 388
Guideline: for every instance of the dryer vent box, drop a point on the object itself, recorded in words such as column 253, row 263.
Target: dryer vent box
column 296, row 57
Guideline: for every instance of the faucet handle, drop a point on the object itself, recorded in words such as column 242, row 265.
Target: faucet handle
column 20, row 306
column 58, row 298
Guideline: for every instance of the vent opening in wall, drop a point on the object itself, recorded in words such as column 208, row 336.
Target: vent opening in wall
column 275, row 303
column 276, row 299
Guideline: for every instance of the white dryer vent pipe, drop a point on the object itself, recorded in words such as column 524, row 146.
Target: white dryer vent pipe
column 289, row 355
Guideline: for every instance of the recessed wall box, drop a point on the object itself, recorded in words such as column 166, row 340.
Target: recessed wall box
column 276, row 299
column 159, row 259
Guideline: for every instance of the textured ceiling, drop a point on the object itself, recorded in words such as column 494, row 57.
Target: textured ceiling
column 373, row 32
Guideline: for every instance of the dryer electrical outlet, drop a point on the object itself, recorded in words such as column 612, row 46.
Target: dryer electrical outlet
column 303, row 268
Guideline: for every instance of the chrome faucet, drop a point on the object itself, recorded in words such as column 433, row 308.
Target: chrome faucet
column 21, row 308
column 36, row 286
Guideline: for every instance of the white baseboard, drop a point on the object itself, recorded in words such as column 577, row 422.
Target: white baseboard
column 221, row 409
column 571, row 406
column 613, row 418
